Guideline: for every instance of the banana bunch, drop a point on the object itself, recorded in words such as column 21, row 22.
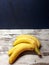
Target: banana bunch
column 23, row 43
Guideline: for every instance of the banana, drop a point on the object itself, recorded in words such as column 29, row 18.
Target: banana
column 24, row 40
column 23, row 43
column 30, row 37
column 19, row 49
column 11, row 50
column 27, row 41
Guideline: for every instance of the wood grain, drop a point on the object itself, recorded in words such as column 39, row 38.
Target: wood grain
column 27, row 58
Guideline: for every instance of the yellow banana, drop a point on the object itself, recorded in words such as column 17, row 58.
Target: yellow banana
column 23, row 43
column 27, row 41
column 11, row 50
column 30, row 37
column 24, row 40
column 19, row 49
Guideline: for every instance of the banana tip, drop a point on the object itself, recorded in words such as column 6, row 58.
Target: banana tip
column 40, row 55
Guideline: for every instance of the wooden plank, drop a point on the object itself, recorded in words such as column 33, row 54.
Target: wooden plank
column 7, row 38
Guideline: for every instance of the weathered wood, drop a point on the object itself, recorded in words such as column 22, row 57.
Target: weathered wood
column 27, row 58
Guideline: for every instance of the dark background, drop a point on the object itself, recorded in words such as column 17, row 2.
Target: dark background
column 22, row 14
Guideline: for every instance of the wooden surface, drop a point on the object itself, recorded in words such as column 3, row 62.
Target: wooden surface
column 27, row 58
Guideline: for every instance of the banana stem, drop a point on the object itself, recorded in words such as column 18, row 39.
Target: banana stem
column 38, row 52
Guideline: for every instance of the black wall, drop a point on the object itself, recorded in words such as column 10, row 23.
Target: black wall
column 24, row 14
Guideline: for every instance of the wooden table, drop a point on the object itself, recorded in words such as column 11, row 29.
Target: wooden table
column 27, row 58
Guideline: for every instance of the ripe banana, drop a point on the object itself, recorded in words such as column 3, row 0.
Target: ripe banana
column 28, row 36
column 11, row 50
column 24, row 40
column 19, row 49
column 23, row 43
column 33, row 46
